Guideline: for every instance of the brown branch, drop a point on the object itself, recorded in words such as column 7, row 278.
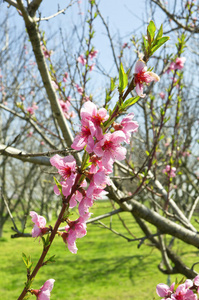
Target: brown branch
column 173, row 18
column 13, row 152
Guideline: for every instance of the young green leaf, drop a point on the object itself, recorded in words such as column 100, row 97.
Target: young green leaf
column 123, row 79
column 25, row 259
column 151, row 31
column 159, row 43
column 58, row 184
column 160, row 33
column 130, row 102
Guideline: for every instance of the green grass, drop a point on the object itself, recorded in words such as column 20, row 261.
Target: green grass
column 105, row 267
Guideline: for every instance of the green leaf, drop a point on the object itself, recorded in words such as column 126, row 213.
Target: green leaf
column 58, row 184
column 159, row 43
column 144, row 41
column 161, row 137
column 123, row 79
column 162, row 111
column 29, row 283
column 49, row 260
column 43, row 241
column 130, row 102
column 47, row 241
column 112, row 84
column 25, row 259
column 151, row 31
column 160, row 33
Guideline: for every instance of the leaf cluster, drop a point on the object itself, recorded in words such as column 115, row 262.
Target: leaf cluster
column 152, row 42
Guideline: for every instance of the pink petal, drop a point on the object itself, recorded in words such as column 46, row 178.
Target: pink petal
column 139, row 66
column 162, row 289
column 48, row 285
column 139, row 90
column 36, row 231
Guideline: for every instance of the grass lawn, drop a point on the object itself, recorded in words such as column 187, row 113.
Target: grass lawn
column 105, row 267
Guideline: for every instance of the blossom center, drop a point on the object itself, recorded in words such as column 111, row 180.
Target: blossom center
column 140, row 77
column 180, row 296
column 86, row 131
column 97, row 120
column 65, row 172
column 107, row 145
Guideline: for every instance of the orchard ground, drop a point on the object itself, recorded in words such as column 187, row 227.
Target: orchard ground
column 106, row 266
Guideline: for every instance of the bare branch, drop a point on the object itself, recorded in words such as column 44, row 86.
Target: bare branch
column 13, row 3
column 56, row 14
column 193, row 208
column 13, row 152
column 172, row 17
column 33, row 7
column 8, row 209
column 28, row 119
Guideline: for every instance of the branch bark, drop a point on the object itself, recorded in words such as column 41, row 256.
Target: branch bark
column 35, row 40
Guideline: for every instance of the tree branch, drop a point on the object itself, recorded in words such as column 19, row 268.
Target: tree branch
column 12, row 3
column 13, row 152
column 34, row 36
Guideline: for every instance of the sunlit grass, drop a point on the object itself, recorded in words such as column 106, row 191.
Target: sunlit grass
column 105, row 267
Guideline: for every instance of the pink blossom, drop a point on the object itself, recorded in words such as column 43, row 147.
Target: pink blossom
column 142, row 76
column 22, row 97
column 89, row 112
column 171, row 67
column 56, row 87
column 67, row 169
column 164, row 290
column 29, row 134
column 85, row 137
column 65, row 105
column 91, row 67
column 69, row 240
column 77, row 196
column 44, row 292
column 124, row 45
column 179, row 63
column 46, row 53
column 127, row 126
column 91, row 119
column 79, row 89
column 40, row 222
column 93, row 54
column 96, row 163
column 196, row 282
column 84, row 205
column 188, row 283
column 32, row 63
column 71, row 115
column 65, row 77
column 186, row 153
column 81, row 60
column 183, row 293
column 169, row 171
column 31, row 109
column 98, row 181
column 74, row 230
column 86, row 98
column 162, row 95
column 109, row 148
